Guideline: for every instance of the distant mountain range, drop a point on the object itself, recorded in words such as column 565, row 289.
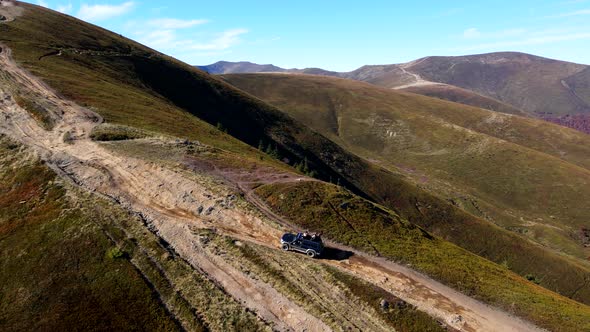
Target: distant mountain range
column 507, row 82
column 225, row 67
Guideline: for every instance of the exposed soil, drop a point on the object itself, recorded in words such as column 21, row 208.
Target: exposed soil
column 175, row 204
column 9, row 11
column 417, row 79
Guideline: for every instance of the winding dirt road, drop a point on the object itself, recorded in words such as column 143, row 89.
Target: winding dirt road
column 176, row 203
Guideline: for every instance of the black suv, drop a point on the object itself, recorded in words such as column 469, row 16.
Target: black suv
column 312, row 246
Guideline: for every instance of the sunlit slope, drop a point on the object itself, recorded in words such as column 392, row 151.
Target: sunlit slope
column 62, row 259
column 463, row 96
column 344, row 217
column 129, row 84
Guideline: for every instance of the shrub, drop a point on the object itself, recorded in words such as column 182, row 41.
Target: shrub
column 68, row 137
column 532, row 278
column 115, row 253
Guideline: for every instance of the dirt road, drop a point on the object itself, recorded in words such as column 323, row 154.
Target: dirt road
column 175, row 203
column 417, row 79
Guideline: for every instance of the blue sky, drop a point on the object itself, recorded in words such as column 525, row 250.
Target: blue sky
column 342, row 35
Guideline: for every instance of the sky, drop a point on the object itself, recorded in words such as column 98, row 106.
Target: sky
column 342, row 35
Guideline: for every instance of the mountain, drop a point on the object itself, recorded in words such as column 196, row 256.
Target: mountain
column 139, row 192
column 534, row 84
column 227, row 67
column 545, row 88
column 497, row 167
column 224, row 67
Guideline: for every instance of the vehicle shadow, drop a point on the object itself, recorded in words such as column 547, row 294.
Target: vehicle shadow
column 336, row 254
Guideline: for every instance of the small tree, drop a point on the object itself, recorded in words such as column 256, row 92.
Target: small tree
column 305, row 166
column 532, row 278
column 273, row 152
column 68, row 138
column 299, row 167
column 221, row 127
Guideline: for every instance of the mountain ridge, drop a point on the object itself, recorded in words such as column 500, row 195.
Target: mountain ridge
column 215, row 68
column 555, row 90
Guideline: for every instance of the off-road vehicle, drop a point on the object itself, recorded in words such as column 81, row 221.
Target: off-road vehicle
column 312, row 246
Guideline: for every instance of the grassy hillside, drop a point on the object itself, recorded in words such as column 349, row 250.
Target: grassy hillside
column 533, row 84
column 579, row 122
column 131, row 85
column 499, row 167
column 56, row 260
column 506, row 82
column 515, row 167
column 343, row 217
column 463, row 96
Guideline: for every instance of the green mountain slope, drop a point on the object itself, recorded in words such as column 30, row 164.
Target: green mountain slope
column 131, row 85
column 55, row 267
column 522, row 174
column 463, row 96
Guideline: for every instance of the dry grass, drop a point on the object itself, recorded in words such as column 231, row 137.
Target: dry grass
column 55, row 267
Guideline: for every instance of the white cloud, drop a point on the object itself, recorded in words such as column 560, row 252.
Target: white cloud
column 224, row 41
column 66, row 9
column 572, row 2
column 580, row 12
column 103, row 12
column 43, row 3
column 165, row 39
column 173, row 23
column 471, row 33
column 576, row 13
column 183, row 42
